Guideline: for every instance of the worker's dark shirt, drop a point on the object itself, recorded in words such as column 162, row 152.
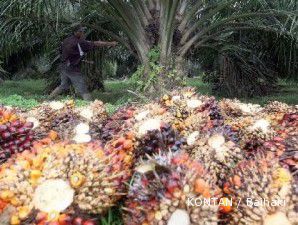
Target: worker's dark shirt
column 71, row 57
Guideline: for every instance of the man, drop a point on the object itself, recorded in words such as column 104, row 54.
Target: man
column 73, row 49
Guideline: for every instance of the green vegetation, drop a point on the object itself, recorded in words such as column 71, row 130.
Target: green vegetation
column 30, row 93
column 247, row 44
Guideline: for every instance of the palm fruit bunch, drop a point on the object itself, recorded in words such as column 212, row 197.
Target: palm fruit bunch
column 55, row 115
column 16, row 134
column 71, row 123
column 160, row 190
column 64, row 180
column 190, row 112
column 275, row 111
column 277, row 107
column 95, row 115
column 289, row 124
column 235, row 108
column 263, row 193
column 120, row 121
column 163, row 139
column 254, row 132
column 218, row 153
column 148, row 118
column 289, row 131
column 289, row 157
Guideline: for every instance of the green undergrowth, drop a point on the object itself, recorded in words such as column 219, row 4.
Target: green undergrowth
column 29, row 93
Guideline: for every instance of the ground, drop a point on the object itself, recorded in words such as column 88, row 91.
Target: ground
column 29, row 93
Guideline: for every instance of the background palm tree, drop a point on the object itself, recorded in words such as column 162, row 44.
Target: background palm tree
column 223, row 32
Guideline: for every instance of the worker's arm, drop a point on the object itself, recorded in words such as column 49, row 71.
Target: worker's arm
column 105, row 43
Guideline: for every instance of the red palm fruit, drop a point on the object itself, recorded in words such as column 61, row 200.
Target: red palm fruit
column 22, row 130
column 121, row 140
column 3, row 128
column 6, row 135
column 89, row 222
column 12, row 130
column 26, row 144
column 16, row 123
column 41, row 216
column 64, row 219
column 43, row 222
column 53, row 223
column 28, row 125
column 77, row 221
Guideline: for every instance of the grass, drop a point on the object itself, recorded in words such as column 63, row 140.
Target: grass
column 30, row 93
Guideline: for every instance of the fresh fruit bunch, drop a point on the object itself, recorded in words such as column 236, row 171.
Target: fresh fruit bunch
column 255, row 135
column 190, row 112
column 181, row 104
column 289, row 124
column 16, row 134
column 161, row 188
column 163, row 139
column 235, row 108
column 289, row 158
column 277, row 107
column 119, row 122
column 263, row 194
column 62, row 178
column 218, row 154
column 95, row 115
column 148, row 118
column 71, row 123
column 215, row 115
column 57, row 116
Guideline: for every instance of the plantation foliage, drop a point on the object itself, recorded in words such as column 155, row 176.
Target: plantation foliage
column 241, row 47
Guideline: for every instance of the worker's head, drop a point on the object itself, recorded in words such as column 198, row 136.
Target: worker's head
column 79, row 31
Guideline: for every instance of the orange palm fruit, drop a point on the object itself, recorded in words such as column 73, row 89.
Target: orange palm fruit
column 127, row 145
column 41, row 216
column 6, row 195
column 129, row 135
column 35, row 174
column 24, row 212
column 237, row 181
column 76, row 180
column 200, row 186
column 225, row 205
column 64, row 219
column 53, row 216
column 53, row 135
column 15, row 220
column 15, row 201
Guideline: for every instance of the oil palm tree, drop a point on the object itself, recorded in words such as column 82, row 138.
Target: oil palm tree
column 180, row 27
column 176, row 28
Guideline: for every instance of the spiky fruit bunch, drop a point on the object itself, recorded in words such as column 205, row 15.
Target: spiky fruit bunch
column 16, row 134
column 95, row 115
column 65, row 178
column 256, row 134
column 161, row 188
column 289, row 158
column 190, row 112
column 71, row 123
column 218, row 154
column 277, row 107
column 235, row 108
column 57, row 116
column 119, row 122
column 267, row 194
column 289, row 123
column 163, row 139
